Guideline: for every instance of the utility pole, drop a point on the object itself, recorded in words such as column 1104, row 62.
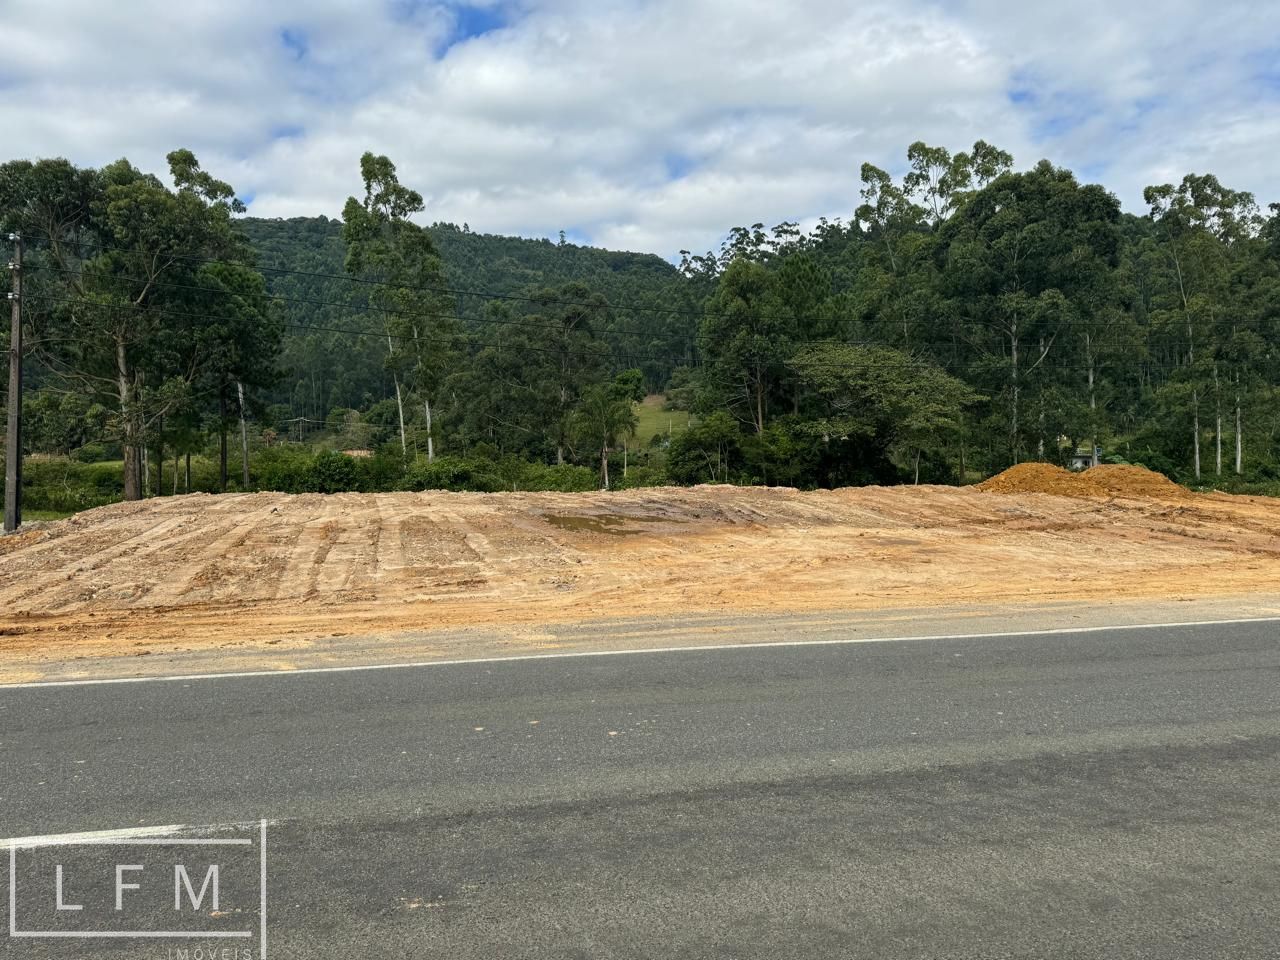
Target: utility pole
column 244, row 442
column 13, row 436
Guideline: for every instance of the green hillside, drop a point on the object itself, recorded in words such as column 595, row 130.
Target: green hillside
column 335, row 370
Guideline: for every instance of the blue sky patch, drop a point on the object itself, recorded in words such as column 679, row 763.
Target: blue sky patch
column 295, row 41
column 678, row 165
column 1055, row 125
column 1268, row 69
column 470, row 22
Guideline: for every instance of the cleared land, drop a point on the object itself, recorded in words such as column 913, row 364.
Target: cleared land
column 202, row 571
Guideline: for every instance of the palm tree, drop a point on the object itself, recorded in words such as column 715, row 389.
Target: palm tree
column 602, row 419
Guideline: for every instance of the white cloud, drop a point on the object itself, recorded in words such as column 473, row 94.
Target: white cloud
column 577, row 114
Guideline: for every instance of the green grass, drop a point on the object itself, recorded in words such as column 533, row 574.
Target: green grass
column 654, row 420
column 44, row 515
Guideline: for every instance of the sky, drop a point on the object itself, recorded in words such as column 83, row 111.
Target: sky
column 648, row 125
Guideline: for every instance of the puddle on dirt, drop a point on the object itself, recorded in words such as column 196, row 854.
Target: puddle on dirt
column 612, row 524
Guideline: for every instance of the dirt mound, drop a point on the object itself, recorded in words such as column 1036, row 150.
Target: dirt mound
column 1108, row 480
column 1042, row 478
column 1139, row 482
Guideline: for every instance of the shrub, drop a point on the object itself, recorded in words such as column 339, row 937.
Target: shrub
column 96, row 452
column 284, row 469
column 382, row 472
column 453, row 473
column 640, row 477
column 331, row 472
column 66, row 486
column 562, row 478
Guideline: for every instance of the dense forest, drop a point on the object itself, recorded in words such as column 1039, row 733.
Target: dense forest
column 337, row 370
column 964, row 317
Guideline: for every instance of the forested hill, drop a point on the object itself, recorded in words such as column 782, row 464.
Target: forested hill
column 330, row 370
column 475, row 261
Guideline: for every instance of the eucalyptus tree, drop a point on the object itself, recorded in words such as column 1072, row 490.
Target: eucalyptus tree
column 1022, row 263
column 406, row 286
column 895, row 284
column 747, row 335
column 1204, row 230
column 533, row 366
column 893, row 262
column 566, row 346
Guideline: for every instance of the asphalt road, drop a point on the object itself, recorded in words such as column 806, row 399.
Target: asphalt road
column 1111, row 795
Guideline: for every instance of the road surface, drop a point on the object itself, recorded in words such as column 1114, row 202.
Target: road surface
column 1103, row 794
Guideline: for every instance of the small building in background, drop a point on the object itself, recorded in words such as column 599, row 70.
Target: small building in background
column 358, row 453
column 1084, row 458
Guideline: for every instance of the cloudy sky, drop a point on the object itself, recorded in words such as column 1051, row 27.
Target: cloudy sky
column 640, row 124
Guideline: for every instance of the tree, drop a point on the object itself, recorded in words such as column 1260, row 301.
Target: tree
column 399, row 257
column 892, row 278
column 911, row 406
column 520, row 390
column 240, row 340
column 605, row 415
column 1022, row 263
column 1203, row 229
column 128, row 310
column 746, row 339
column 705, row 452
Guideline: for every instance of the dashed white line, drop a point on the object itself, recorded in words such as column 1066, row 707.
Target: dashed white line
column 158, row 835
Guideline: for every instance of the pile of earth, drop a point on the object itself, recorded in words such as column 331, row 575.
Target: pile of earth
column 1129, row 481
column 1101, row 481
column 1042, row 478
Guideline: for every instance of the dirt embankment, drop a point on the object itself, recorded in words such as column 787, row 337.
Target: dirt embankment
column 1102, row 481
column 196, row 571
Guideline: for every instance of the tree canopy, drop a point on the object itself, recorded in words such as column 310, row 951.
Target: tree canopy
column 967, row 315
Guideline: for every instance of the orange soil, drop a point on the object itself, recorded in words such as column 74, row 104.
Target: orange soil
column 197, row 571
column 1101, row 481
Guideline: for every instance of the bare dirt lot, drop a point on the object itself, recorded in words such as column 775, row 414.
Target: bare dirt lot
column 207, row 571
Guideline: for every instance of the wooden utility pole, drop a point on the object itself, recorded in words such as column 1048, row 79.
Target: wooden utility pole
column 244, row 441
column 13, row 436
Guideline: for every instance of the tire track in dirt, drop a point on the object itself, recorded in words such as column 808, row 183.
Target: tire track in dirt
column 469, row 563
column 353, row 549
column 245, row 568
column 73, row 581
column 238, row 563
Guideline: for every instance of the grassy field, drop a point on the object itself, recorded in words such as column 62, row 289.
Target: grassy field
column 44, row 515
column 654, row 420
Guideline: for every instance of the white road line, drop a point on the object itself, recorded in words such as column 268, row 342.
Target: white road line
column 578, row 654
column 159, row 835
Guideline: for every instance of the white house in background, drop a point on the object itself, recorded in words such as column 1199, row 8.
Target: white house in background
column 1084, row 458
